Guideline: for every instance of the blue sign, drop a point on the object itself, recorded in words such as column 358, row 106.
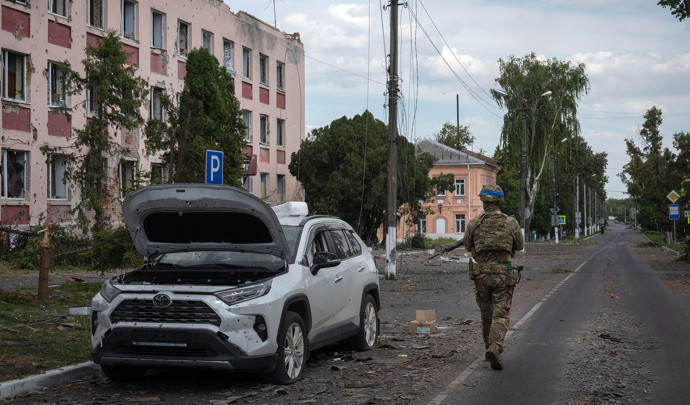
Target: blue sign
column 214, row 167
column 561, row 220
column 673, row 211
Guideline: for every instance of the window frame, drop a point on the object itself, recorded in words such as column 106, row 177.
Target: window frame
column 264, row 129
column 53, row 72
column 160, row 169
column 423, row 226
column 460, row 182
column 246, row 63
column 5, row 72
column 124, row 164
column 204, row 35
column 52, row 181
column 231, row 67
column 248, row 124
column 160, row 35
column 263, row 69
column 3, row 158
column 188, row 38
column 91, row 14
column 280, row 132
column 280, row 76
column 52, row 4
column 280, row 187
column 263, row 185
column 160, row 91
column 123, row 19
column 460, row 223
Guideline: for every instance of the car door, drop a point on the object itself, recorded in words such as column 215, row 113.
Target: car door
column 346, row 276
column 323, row 288
column 360, row 271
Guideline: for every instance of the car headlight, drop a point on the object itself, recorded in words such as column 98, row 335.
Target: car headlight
column 109, row 292
column 241, row 294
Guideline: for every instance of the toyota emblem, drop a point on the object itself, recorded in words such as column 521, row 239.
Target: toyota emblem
column 162, row 300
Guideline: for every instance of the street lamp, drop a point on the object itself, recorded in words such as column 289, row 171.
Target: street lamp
column 523, row 156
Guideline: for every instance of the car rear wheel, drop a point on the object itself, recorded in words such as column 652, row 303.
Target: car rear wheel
column 368, row 325
column 119, row 373
column 292, row 351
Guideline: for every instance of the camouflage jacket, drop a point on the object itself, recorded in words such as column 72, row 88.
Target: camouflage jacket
column 493, row 237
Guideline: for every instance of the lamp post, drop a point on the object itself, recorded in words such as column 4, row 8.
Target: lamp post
column 523, row 157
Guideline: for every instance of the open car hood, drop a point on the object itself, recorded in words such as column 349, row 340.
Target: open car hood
column 189, row 217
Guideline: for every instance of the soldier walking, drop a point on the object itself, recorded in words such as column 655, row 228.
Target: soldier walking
column 493, row 238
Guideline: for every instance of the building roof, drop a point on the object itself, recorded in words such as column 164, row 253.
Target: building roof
column 448, row 156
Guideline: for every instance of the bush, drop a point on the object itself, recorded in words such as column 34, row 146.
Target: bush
column 113, row 248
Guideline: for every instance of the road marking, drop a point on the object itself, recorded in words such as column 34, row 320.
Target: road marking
column 466, row 373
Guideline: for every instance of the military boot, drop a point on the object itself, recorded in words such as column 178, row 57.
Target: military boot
column 493, row 355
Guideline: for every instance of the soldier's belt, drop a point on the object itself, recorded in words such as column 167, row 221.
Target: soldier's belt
column 491, row 268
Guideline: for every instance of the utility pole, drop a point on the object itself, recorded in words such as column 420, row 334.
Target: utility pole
column 577, row 207
column 523, row 171
column 584, row 207
column 392, row 193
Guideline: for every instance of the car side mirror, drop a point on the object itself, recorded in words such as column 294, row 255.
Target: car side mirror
column 324, row 260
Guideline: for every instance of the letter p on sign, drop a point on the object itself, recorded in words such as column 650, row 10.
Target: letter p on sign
column 214, row 167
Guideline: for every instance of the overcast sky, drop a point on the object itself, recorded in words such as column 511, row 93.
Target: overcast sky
column 637, row 55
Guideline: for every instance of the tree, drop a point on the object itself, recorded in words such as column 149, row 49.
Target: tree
column 454, row 137
column 117, row 94
column 209, row 117
column 679, row 8
column 526, row 82
column 343, row 167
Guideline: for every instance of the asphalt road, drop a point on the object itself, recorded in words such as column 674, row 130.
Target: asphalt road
column 608, row 275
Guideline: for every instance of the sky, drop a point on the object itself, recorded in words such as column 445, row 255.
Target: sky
column 636, row 53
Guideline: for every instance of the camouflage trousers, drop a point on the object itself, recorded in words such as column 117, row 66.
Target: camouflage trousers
column 494, row 294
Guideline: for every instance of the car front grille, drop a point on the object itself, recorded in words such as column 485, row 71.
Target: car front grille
column 193, row 312
column 165, row 351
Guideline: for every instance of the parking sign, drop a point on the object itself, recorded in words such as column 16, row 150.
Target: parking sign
column 214, row 167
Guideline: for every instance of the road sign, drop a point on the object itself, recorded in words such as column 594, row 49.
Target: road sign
column 673, row 211
column 673, row 196
column 686, row 214
column 561, row 220
column 214, row 167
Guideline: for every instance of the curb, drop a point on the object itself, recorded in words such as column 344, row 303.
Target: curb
column 22, row 386
column 662, row 246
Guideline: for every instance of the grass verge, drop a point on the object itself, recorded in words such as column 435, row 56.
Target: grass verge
column 37, row 336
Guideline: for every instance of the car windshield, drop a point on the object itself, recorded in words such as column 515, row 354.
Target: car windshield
column 220, row 259
column 291, row 234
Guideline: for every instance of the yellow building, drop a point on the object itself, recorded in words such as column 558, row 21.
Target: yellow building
column 449, row 213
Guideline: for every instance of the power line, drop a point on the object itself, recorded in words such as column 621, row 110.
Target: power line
column 345, row 70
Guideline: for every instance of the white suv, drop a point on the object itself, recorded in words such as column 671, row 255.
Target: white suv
column 230, row 283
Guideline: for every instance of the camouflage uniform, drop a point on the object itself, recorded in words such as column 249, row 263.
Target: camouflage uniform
column 493, row 237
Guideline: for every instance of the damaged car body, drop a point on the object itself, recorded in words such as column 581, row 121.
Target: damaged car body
column 231, row 283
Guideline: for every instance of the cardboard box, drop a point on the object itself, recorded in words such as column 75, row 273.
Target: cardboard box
column 425, row 322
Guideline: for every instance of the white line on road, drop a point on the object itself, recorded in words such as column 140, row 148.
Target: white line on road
column 466, row 373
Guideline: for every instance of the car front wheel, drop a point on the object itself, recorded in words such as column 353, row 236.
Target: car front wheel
column 292, row 351
column 368, row 325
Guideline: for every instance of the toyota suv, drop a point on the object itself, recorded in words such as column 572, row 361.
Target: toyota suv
column 231, row 283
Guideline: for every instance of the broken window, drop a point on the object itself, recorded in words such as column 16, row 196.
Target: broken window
column 247, row 118
column 280, row 75
column 280, row 187
column 13, row 173
column 157, row 112
column 207, row 41
column 263, row 129
column 264, row 185
column 57, row 96
column 95, row 13
column 13, row 76
column 280, row 132
column 58, row 7
column 182, row 38
column 126, row 173
column 157, row 23
column 263, row 69
column 247, row 185
column 57, row 183
column 90, row 103
column 129, row 19
column 158, row 173
column 246, row 63
column 228, row 47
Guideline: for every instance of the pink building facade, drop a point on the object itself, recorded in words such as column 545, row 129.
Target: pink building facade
column 37, row 36
column 450, row 212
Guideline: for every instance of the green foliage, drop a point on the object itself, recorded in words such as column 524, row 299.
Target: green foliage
column 209, row 117
column 454, row 137
column 113, row 248
column 679, row 8
column 549, row 120
column 118, row 94
column 343, row 167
